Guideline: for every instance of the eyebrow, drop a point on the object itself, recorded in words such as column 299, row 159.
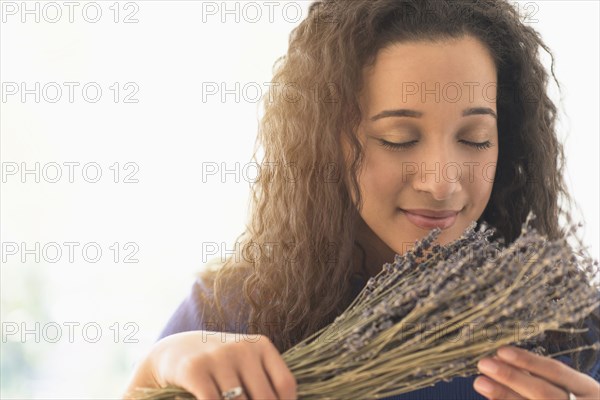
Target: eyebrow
column 403, row 112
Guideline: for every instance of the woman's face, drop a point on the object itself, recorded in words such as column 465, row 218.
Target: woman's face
column 430, row 139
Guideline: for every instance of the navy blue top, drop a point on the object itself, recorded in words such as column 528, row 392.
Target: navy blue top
column 194, row 314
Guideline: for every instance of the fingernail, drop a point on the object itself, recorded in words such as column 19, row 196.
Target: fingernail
column 483, row 385
column 488, row 366
column 507, row 353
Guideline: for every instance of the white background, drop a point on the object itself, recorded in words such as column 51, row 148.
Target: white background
column 170, row 213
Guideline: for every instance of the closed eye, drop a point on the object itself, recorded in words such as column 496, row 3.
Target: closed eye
column 399, row 146
column 479, row 146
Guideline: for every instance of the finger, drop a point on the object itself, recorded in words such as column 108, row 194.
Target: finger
column 227, row 378
column 256, row 381
column 494, row 390
column 548, row 368
column 202, row 386
column 529, row 386
column 495, row 357
column 282, row 379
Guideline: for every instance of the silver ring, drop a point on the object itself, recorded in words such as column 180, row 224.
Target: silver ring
column 230, row 394
column 572, row 396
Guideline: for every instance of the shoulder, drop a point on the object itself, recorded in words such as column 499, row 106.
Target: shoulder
column 198, row 310
column 592, row 336
column 592, row 323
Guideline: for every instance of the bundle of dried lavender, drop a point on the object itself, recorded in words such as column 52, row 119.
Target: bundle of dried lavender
column 437, row 310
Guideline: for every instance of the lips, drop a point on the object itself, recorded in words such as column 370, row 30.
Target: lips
column 429, row 219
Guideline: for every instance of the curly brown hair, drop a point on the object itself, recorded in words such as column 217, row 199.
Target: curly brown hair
column 302, row 214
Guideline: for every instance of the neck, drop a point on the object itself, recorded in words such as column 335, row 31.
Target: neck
column 370, row 252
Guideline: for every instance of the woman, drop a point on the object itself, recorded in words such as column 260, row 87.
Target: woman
column 386, row 118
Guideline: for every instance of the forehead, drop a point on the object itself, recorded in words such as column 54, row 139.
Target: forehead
column 458, row 71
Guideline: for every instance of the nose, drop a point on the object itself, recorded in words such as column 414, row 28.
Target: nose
column 438, row 174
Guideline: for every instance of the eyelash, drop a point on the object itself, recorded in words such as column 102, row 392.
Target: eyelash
column 398, row 146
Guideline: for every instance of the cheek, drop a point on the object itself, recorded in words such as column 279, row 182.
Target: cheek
column 480, row 186
column 380, row 180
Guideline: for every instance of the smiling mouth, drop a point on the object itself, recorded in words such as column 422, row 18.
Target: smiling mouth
column 426, row 222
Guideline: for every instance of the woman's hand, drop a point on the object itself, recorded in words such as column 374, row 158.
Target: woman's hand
column 520, row 374
column 208, row 363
